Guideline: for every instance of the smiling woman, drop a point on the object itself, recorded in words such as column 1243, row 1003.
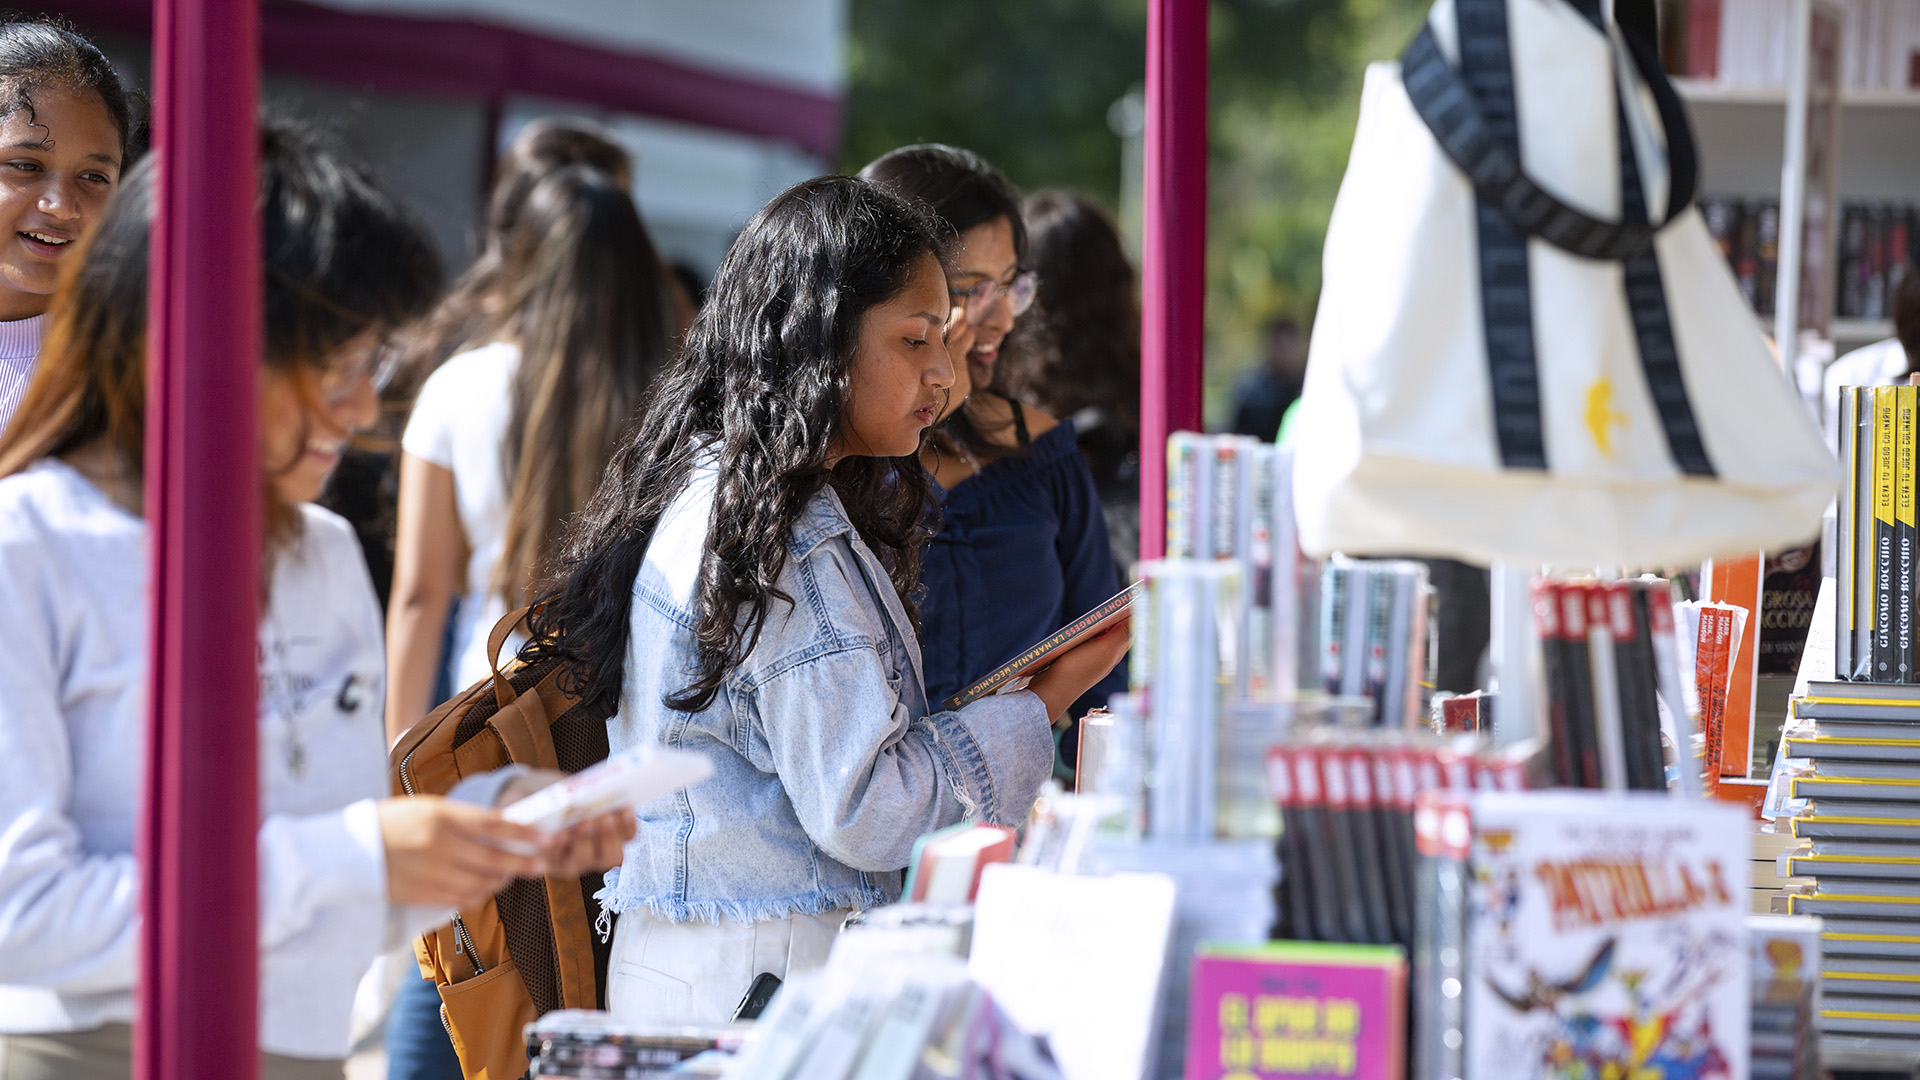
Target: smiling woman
column 68, row 126
column 1022, row 548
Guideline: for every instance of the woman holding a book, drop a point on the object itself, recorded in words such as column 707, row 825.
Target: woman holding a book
column 761, row 532
column 1022, row 546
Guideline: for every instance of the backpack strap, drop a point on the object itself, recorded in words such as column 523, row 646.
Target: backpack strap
column 503, row 694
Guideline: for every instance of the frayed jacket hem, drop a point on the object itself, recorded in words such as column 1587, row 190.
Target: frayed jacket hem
column 746, row 910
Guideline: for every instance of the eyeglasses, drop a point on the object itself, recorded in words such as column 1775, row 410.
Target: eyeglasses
column 979, row 300
column 362, row 360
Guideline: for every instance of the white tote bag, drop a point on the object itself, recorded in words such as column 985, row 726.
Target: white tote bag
column 1512, row 361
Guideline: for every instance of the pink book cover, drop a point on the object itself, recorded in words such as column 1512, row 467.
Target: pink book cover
column 1297, row 1010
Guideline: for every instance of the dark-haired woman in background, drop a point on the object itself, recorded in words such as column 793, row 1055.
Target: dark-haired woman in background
column 509, row 438
column 365, row 488
column 1022, row 548
column 740, row 587
column 1086, row 349
column 68, row 126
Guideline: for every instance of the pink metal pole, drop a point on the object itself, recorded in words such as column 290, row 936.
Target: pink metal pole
column 1173, row 270
column 199, row 959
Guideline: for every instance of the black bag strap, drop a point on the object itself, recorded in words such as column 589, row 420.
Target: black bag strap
column 1653, row 331
column 1456, row 116
column 1506, row 283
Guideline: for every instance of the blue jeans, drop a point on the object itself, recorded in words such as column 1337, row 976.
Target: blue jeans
column 417, row 1044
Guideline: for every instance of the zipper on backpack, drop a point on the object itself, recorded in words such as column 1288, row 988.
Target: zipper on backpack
column 462, row 943
column 406, row 778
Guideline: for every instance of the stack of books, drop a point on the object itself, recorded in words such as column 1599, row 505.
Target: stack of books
column 1750, row 42
column 1857, row 809
column 1876, row 246
column 1230, row 498
column 1346, row 846
column 1613, row 673
column 1748, row 232
column 1374, row 635
column 1875, row 536
column 1785, row 953
column 579, row 1043
column 1186, row 667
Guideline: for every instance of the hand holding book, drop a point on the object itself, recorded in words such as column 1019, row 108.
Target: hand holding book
column 1074, row 671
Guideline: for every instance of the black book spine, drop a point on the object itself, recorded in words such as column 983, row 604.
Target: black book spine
column 1646, row 694
column 1386, row 823
column 1327, row 911
column 1369, row 859
column 1342, row 845
column 1561, row 746
column 1293, row 898
column 1582, row 718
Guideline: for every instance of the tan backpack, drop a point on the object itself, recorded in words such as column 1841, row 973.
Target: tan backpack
column 531, row 948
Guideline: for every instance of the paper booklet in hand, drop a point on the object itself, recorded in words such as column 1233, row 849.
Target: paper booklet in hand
column 625, row 779
column 1013, row 674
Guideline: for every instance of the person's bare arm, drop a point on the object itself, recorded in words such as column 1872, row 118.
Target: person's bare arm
column 430, row 554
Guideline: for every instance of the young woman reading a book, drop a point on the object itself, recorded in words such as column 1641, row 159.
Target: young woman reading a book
column 1022, row 547
column 344, row 873
column 767, row 519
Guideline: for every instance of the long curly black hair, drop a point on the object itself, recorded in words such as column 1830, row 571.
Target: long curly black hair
column 758, row 391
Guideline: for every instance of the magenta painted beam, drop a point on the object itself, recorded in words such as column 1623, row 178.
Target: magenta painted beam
column 1173, row 250
column 409, row 54
column 199, row 956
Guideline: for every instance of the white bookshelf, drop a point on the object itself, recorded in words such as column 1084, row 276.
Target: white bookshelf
column 1742, row 134
column 1742, row 137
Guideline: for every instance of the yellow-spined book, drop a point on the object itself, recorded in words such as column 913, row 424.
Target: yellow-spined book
column 1885, row 480
column 1906, row 399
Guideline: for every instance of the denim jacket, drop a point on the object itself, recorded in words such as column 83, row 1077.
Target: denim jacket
column 827, row 766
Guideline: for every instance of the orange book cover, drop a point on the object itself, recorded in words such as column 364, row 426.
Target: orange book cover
column 1737, row 582
column 1710, row 673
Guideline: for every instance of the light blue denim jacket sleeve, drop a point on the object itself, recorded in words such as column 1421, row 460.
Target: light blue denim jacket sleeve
column 867, row 779
column 827, row 766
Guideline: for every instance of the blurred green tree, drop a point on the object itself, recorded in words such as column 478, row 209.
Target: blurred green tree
column 1028, row 84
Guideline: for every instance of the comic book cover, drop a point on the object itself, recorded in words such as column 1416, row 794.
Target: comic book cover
column 1606, row 937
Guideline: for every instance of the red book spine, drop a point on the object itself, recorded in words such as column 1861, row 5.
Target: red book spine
column 1703, row 39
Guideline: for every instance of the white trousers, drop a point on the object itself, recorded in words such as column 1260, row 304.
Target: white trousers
column 696, row 973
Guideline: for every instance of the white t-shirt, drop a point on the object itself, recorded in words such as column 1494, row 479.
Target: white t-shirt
column 19, row 350
column 73, row 649
column 1882, row 363
column 459, row 423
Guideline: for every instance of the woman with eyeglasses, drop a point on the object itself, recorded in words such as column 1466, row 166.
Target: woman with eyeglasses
column 1022, row 547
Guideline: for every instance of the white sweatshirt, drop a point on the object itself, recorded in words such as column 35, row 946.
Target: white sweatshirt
column 19, row 349
column 73, row 577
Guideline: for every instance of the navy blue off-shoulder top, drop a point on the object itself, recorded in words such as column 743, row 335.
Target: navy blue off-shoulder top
column 1022, row 551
